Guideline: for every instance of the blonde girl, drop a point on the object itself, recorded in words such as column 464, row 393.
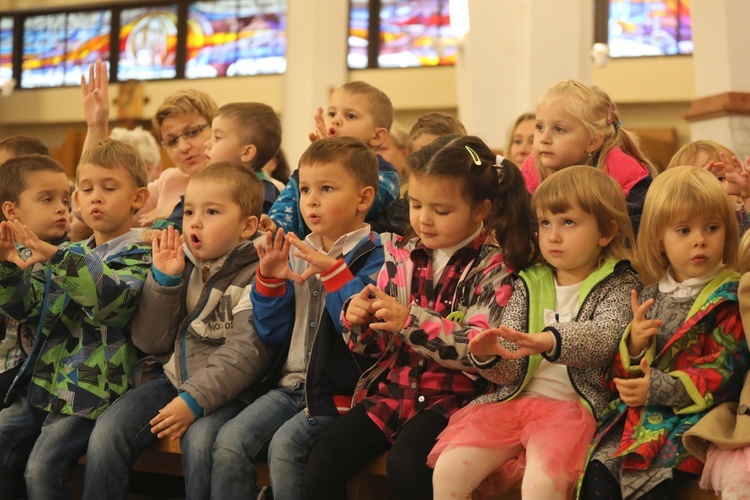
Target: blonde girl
column 521, row 138
column 435, row 291
column 684, row 352
column 577, row 124
column 559, row 332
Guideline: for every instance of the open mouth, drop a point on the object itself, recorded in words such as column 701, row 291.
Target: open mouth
column 195, row 240
column 332, row 132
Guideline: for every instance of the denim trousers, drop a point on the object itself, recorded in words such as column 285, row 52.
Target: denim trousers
column 123, row 432
column 39, row 451
column 274, row 422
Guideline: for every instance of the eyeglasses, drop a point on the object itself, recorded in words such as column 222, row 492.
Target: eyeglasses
column 188, row 134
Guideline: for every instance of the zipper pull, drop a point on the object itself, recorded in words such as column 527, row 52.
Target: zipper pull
column 310, row 419
column 205, row 270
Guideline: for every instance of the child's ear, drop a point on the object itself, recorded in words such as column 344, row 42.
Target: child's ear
column 251, row 226
column 140, row 198
column 248, row 153
column 606, row 239
column 596, row 142
column 9, row 210
column 378, row 137
column 481, row 211
column 366, row 197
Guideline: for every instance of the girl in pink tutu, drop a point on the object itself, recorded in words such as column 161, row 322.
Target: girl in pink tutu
column 685, row 351
column 559, row 331
column 436, row 289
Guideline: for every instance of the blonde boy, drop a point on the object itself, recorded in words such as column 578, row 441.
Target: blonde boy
column 358, row 110
column 297, row 299
column 82, row 355
column 196, row 308
column 248, row 132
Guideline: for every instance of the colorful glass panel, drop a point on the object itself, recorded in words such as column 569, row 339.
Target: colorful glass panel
column 359, row 31
column 6, row 48
column 236, row 37
column 416, row 33
column 649, row 28
column 57, row 48
column 148, row 43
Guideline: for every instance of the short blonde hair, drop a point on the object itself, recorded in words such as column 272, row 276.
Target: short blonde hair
column 595, row 193
column 682, row 191
column 184, row 102
column 243, row 183
column 142, row 140
column 688, row 153
column 381, row 107
column 436, row 124
column 111, row 153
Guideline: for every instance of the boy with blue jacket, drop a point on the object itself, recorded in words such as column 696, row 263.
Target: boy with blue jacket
column 297, row 299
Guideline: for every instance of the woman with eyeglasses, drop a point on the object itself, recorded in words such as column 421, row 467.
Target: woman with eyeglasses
column 182, row 123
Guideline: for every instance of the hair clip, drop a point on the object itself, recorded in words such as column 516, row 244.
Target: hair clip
column 499, row 159
column 474, row 156
column 618, row 124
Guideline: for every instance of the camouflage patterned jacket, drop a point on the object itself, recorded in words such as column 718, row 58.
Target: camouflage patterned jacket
column 82, row 355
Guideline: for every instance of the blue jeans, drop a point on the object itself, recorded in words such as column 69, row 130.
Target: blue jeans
column 123, row 432
column 41, row 447
column 274, row 421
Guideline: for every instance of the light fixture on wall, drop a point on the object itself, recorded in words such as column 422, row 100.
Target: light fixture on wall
column 600, row 54
column 6, row 87
column 459, row 12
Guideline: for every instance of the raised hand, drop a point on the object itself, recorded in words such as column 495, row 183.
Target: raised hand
column 360, row 310
column 168, row 256
column 634, row 391
column 641, row 329
column 96, row 100
column 320, row 127
column 266, row 224
column 173, row 420
column 41, row 251
column 318, row 261
column 390, row 314
column 274, row 258
column 737, row 175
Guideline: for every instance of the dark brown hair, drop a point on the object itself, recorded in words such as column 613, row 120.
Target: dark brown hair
column 257, row 124
column 23, row 145
column 243, row 184
column 354, row 155
column 16, row 171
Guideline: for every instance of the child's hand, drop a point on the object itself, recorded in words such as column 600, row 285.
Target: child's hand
column 528, row 343
column 266, row 224
column 96, row 96
column 736, row 174
column 173, row 420
column 641, row 329
column 360, row 310
column 8, row 252
column 274, row 258
column 168, row 256
column 320, row 127
column 151, row 235
column 154, row 215
column 41, row 251
column 634, row 391
column 390, row 314
column 318, row 261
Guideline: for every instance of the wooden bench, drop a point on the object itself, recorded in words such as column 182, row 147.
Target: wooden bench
column 369, row 484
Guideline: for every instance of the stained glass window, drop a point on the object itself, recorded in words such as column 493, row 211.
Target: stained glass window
column 649, row 28
column 359, row 31
column 148, row 43
column 57, row 48
column 415, row 33
column 236, row 37
column 6, row 48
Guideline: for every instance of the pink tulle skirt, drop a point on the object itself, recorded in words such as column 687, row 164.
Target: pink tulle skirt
column 565, row 427
column 726, row 469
